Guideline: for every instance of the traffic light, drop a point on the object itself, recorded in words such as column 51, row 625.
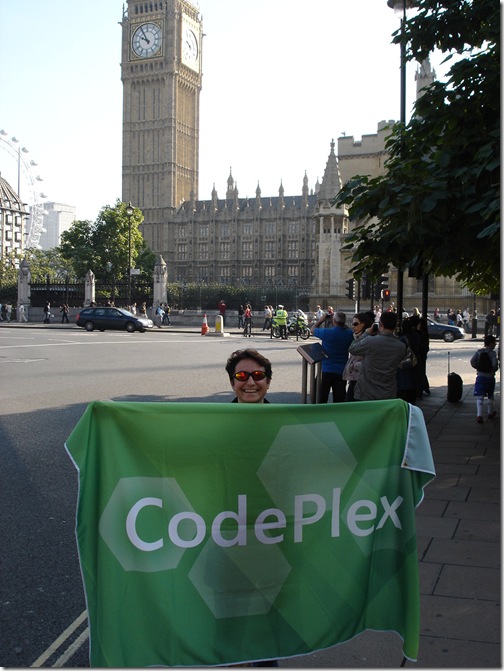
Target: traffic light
column 380, row 285
column 351, row 289
column 365, row 289
column 385, row 294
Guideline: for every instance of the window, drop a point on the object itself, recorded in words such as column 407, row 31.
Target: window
column 247, row 229
column 292, row 228
column 203, row 251
column 269, row 228
column 182, row 251
column 203, row 230
column 182, row 231
column 224, row 250
column 269, row 249
column 292, row 249
column 247, row 250
column 225, row 230
column 269, row 271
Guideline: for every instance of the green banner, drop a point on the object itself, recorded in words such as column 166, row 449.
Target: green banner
column 214, row 534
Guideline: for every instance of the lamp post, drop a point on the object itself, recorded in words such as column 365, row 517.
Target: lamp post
column 129, row 214
column 400, row 7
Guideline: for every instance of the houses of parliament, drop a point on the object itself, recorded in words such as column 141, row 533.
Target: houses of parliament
column 267, row 240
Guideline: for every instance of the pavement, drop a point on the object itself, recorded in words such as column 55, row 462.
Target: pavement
column 459, row 550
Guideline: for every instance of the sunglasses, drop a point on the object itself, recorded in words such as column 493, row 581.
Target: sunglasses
column 243, row 375
column 356, row 323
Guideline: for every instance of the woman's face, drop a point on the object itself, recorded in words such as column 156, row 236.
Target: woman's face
column 250, row 391
column 358, row 326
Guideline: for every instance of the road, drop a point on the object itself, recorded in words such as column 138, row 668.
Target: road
column 48, row 378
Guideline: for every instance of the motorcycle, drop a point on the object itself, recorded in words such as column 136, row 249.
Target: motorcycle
column 296, row 325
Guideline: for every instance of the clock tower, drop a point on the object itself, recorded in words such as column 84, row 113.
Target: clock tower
column 161, row 75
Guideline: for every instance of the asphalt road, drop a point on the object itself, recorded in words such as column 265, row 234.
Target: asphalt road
column 48, row 378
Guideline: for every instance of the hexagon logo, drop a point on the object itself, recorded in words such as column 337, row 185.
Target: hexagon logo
column 287, row 455
column 134, row 523
column 239, row 581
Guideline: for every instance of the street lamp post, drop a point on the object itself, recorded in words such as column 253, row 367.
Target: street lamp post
column 129, row 214
column 400, row 7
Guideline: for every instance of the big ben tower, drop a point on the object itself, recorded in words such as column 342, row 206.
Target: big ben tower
column 161, row 75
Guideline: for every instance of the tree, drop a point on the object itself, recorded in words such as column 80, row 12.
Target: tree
column 438, row 204
column 42, row 263
column 102, row 246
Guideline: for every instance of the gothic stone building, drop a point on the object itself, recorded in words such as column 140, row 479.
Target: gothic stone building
column 280, row 240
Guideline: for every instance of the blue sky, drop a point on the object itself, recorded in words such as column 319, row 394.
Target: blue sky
column 281, row 79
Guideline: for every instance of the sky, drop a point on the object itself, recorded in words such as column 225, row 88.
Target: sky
column 281, row 80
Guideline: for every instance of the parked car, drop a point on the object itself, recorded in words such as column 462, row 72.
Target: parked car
column 445, row 331
column 112, row 318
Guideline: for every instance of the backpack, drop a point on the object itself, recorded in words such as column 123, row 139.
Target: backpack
column 484, row 363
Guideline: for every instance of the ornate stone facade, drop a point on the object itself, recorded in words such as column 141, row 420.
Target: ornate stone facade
column 13, row 216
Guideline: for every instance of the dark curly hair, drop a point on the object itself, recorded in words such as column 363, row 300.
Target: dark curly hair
column 250, row 353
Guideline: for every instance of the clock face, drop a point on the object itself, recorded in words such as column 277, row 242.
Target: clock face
column 190, row 48
column 146, row 40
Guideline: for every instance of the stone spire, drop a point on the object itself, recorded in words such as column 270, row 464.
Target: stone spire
column 305, row 190
column 258, row 197
column 331, row 181
column 230, row 186
column 424, row 76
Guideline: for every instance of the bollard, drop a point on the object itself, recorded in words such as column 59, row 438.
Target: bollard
column 219, row 324
column 474, row 328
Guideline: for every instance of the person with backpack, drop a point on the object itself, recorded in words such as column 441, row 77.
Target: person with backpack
column 486, row 364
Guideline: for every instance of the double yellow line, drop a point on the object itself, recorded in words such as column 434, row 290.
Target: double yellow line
column 61, row 640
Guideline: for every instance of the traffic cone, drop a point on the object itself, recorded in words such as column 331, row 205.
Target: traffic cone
column 204, row 326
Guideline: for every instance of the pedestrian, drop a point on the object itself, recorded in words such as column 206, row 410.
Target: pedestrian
column 360, row 322
column 329, row 323
column 21, row 313
column 8, row 311
column 281, row 321
column 409, row 378
column 64, row 309
column 143, row 310
column 159, row 316
column 335, row 342
column 166, row 316
column 268, row 316
column 247, row 321
column 436, row 314
column 319, row 313
column 382, row 352
column 2, row 307
column 423, row 380
column 486, row 364
column 47, row 313
column 490, row 323
column 241, row 311
column 466, row 318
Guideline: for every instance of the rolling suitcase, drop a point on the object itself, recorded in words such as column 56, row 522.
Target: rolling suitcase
column 455, row 385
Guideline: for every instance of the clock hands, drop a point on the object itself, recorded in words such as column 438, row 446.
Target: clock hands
column 144, row 35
